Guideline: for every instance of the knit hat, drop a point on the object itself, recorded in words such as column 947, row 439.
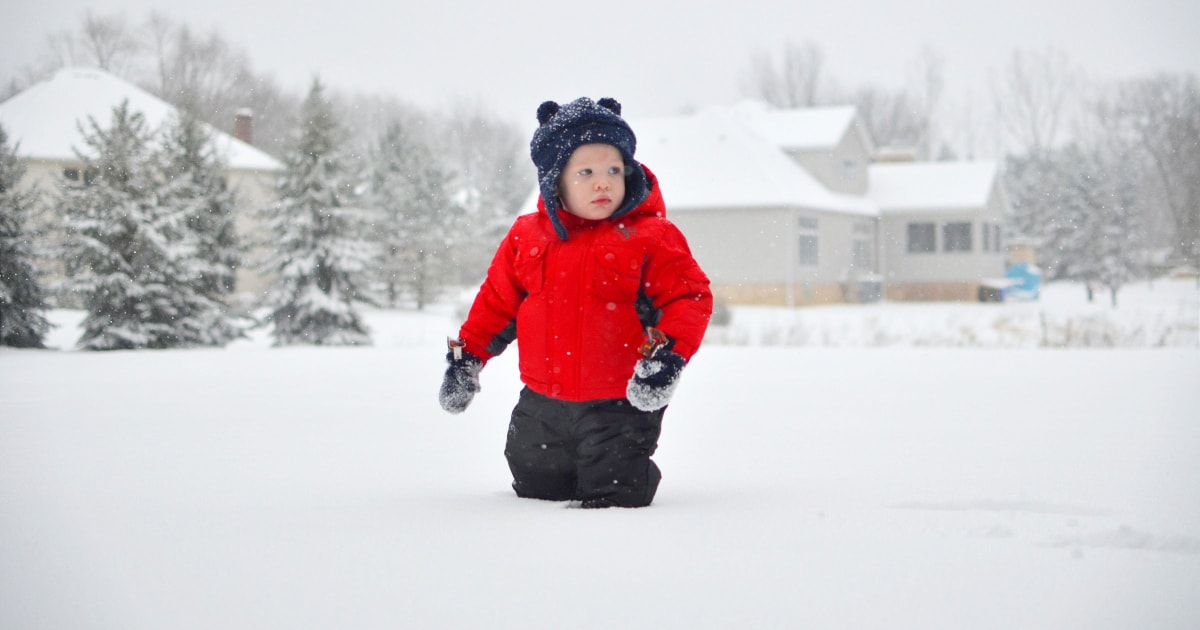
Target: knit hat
column 562, row 129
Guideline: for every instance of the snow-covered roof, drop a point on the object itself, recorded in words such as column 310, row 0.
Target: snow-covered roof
column 808, row 129
column 931, row 186
column 711, row 160
column 44, row 117
column 732, row 158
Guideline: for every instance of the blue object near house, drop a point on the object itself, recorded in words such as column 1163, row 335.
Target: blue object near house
column 1027, row 281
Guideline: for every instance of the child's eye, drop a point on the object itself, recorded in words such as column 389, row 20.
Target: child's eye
column 615, row 170
column 585, row 172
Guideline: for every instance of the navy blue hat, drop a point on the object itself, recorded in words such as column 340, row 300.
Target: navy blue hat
column 562, row 129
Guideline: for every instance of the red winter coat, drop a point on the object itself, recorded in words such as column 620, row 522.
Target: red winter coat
column 574, row 302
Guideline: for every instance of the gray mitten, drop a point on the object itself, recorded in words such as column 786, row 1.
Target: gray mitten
column 461, row 381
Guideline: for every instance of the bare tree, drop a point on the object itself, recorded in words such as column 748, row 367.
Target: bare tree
column 202, row 73
column 1035, row 97
column 104, row 41
column 967, row 128
column 206, row 73
column 904, row 119
column 202, row 67
column 798, row 81
column 928, row 83
column 1163, row 113
column 493, row 177
column 893, row 119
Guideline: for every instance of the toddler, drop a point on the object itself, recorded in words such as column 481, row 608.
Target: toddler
column 608, row 305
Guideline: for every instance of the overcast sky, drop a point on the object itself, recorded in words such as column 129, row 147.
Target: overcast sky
column 657, row 57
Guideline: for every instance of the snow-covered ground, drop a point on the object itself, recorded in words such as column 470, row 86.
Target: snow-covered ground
column 804, row 486
column 1165, row 313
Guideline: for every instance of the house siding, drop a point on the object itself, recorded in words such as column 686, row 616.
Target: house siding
column 942, row 275
column 756, row 259
column 253, row 190
column 843, row 168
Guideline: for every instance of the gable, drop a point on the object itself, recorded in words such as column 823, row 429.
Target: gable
column 711, row 160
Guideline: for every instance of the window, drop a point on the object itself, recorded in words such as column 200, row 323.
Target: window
column 849, row 171
column 861, row 256
column 809, row 241
column 921, row 238
column 987, row 237
column 996, row 237
column 956, row 237
column 72, row 175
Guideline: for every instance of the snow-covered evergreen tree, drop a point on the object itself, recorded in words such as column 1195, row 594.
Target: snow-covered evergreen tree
column 1113, row 233
column 319, row 254
column 23, row 322
column 1080, row 207
column 418, row 221
column 488, row 160
column 194, row 185
column 1044, row 186
column 128, row 251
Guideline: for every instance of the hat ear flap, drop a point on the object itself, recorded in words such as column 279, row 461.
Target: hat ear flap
column 545, row 111
column 610, row 104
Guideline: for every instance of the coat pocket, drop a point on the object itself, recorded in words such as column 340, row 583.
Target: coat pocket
column 529, row 266
column 618, row 273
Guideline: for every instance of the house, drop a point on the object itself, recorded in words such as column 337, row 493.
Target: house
column 762, row 225
column 942, row 223
column 787, row 207
column 45, row 120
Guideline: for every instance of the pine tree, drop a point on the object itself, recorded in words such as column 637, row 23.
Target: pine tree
column 487, row 161
column 320, row 256
column 22, row 304
column 195, row 186
column 1043, row 185
column 409, row 190
column 1080, row 205
column 127, row 252
column 1112, row 234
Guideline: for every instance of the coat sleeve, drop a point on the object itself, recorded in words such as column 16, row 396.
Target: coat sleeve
column 492, row 321
column 679, row 290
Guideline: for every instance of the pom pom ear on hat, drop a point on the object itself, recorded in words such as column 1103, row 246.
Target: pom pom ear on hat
column 545, row 111
column 564, row 128
column 610, row 104
column 548, row 109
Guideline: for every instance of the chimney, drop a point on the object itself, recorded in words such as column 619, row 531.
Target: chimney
column 895, row 154
column 243, row 125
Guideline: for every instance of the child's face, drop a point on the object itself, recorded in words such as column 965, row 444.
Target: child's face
column 592, row 185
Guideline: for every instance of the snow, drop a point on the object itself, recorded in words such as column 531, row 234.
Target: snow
column 932, row 186
column 806, row 129
column 1162, row 314
column 714, row 161
column 848, row 487
column 45, row 119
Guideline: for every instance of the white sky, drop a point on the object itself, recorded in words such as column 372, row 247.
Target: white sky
column 654, row 56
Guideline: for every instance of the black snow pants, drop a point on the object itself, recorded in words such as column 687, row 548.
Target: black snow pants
column 597, row 452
